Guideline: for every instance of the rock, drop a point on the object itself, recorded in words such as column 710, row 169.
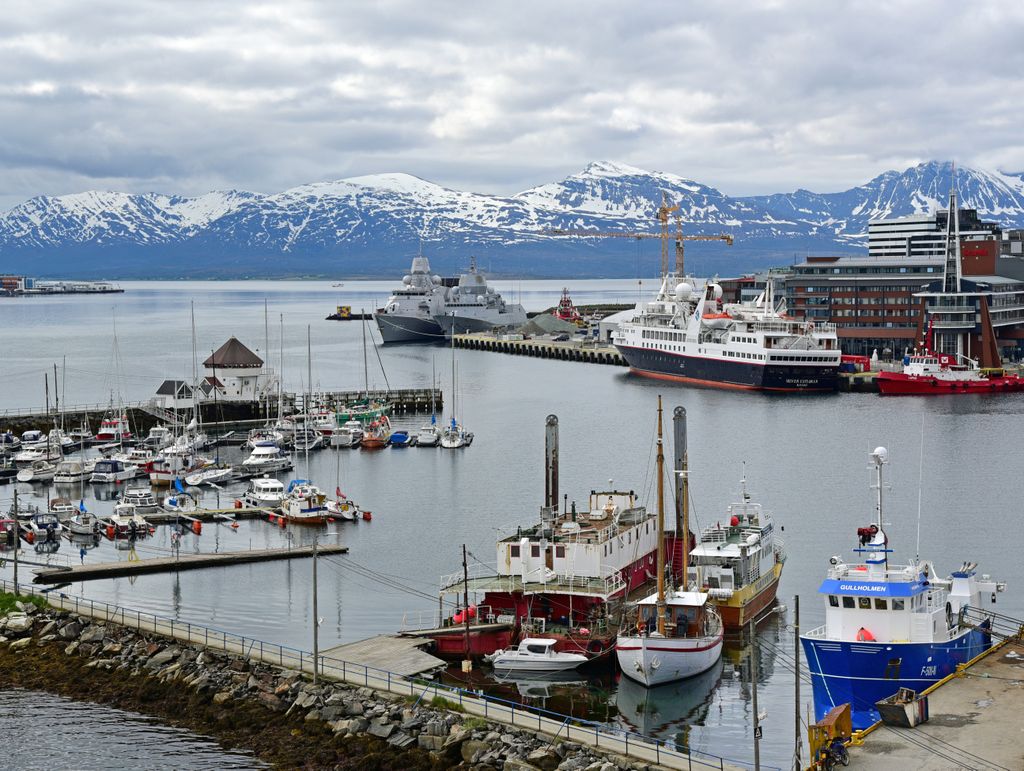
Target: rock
column 238, row 665
column 271, row 701
column 470, row 748
column 313, row 714
column 544, row 758
column 332, row 712
column 492, row 737
column 381, row 729
column 515, row 764
column 18, row 624
column 354, row 708
column 574, row 764
column 508, row 739
column 17, row 645
column 221, row 697
column 282, row 689
column 71, row 648
column 46, row 638
column 165, row 656
column 47, row 629
column 429, row 742
column 401, row 739
column 358, row 725
column 27, row 608
column 112, row 649
column 457, row 736
column 93, row 634
column 86, row 649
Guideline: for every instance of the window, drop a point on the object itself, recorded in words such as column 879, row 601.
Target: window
column 513, row 551
column 848, row 602
column 833, row 601
column 897, row 604
column 880, row 603
column 535, row 550
column 560, row 552
column 864, row 603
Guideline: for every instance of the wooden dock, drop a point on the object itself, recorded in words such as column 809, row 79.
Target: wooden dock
column 175, row 564
column 564, row 350
column 402, row 656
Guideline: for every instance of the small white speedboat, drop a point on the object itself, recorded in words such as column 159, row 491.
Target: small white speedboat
column 429, row 434
column 264, row 492
column 349, row 435
column 534, row 654
column 83, row 523
column 213, row 475
column 38, row 471
column 142, row 499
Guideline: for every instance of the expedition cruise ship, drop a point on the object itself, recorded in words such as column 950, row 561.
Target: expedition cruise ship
column 687, row 335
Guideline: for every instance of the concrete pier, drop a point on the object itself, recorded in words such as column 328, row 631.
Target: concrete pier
column 174, row 564
column 974, row 722
column 564, row 350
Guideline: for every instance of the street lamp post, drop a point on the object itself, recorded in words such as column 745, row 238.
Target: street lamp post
column 316, row 616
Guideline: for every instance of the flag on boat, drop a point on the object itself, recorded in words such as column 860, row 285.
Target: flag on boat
column 81, row 505
column 177, row 485
column 340, row 494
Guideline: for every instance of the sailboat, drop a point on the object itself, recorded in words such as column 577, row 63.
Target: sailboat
column 429, row 434
column 340, row 506
column 677, row 633
column 455, row 435
column 305, row 503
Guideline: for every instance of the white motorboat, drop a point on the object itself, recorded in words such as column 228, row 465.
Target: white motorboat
column 307, row 439
column 181, row 502
column 341, row 509
column 263, row 436
column 9, row 442
column 32, row 440
column 60, row 442
column 38, row 471
column 159, row 436
column 83, row 523
column 73, row 471
column 63, row 508
column 429, row 434
column 535, row 654
column 27, row 457
column 264, row 492
column 142, row 499
column 266, row 459
column 349, row 435
column 213, row 475
column 43, row 527
column 126, row 519
column 110, row 470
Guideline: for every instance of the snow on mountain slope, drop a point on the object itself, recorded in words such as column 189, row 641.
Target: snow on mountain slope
column 369, row 219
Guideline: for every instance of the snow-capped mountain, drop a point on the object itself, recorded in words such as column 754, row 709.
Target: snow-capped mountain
column 372, row 225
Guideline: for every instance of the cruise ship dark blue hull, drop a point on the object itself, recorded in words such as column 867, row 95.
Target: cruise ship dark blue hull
column 721, row 373
column 862, row 673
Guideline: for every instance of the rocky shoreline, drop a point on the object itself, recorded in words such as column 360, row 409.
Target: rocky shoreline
column 277, row 714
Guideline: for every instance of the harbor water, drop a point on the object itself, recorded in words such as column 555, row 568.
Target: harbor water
column 806, row 460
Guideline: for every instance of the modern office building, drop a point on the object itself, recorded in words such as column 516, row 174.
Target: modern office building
column 924, row 235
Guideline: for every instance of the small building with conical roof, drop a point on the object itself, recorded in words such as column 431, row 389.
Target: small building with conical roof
column 236, row 374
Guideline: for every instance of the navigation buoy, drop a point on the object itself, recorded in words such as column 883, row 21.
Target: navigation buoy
column 367, row 515
column 234, row 525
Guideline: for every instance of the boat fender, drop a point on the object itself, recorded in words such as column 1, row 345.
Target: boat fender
column 865, row 636
column 640, row 628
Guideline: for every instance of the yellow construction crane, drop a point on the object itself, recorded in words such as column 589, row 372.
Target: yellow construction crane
column 663, row 217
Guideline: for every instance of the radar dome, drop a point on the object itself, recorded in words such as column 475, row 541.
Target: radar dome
column 436, row 279
column 716, row 291
column 407, row 280
column 880, row 455
column 683, row 290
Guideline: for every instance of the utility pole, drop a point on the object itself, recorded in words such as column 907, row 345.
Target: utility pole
column 753, row 693
column 797, row 765
column 467, row 664
column 316, row 619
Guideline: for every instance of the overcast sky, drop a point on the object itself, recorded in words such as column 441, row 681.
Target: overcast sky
column 189, row 96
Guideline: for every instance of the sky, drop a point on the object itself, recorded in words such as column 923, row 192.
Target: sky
column 752, row 98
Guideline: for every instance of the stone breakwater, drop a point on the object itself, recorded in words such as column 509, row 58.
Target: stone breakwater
column 276, row 713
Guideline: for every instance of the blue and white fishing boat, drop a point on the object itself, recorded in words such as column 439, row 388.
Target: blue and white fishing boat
column 892, row 626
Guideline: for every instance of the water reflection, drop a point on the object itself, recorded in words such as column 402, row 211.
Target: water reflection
column 668, row 711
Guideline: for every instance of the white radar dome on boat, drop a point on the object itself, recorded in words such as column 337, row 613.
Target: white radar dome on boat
column 683, row 290
column 407, row 280
column 436, row 279
column 880, row 455
column 716, row 291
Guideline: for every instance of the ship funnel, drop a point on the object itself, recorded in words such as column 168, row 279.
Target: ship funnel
column 550, row 509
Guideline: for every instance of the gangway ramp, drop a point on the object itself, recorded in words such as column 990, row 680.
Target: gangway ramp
column 402, row 656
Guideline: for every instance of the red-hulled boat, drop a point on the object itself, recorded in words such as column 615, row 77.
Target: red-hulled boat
column 565, row 578
column 930, row 373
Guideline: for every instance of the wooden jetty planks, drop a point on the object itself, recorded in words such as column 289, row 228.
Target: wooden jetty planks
column 175, row 564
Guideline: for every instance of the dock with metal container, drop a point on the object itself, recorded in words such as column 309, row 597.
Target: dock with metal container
column 62, row 575
column 585, row 351
column 403, row 656
column 973, row 721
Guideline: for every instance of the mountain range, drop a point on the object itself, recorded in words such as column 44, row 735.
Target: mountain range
column 371, row 226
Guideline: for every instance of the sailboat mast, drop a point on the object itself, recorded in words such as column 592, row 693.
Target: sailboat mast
column 309, row 390
column 366, row 366
column 681, row 412
column 195, row 373
column 280, row 375
column 661, row 527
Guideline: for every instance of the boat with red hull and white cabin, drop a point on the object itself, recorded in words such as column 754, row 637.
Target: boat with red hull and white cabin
column 565, row 578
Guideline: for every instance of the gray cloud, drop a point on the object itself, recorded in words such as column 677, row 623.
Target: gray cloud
column 748, row 97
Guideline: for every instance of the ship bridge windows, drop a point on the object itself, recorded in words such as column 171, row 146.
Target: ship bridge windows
column 898, row 604
column 833, row 601
column 881, row 603
column 848, row 602
column 864, row 603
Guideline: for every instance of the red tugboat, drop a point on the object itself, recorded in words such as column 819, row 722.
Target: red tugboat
column 566, row 311
column 564, row 579
column 943, row 368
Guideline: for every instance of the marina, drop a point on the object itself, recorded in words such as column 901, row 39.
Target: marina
column 360, row 602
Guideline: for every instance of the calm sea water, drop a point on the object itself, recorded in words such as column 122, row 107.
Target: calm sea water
column 806, row 460
column 43, row 731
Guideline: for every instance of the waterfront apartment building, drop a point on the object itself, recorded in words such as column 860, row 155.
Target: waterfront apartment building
column 877, row 303
column 924, row 235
